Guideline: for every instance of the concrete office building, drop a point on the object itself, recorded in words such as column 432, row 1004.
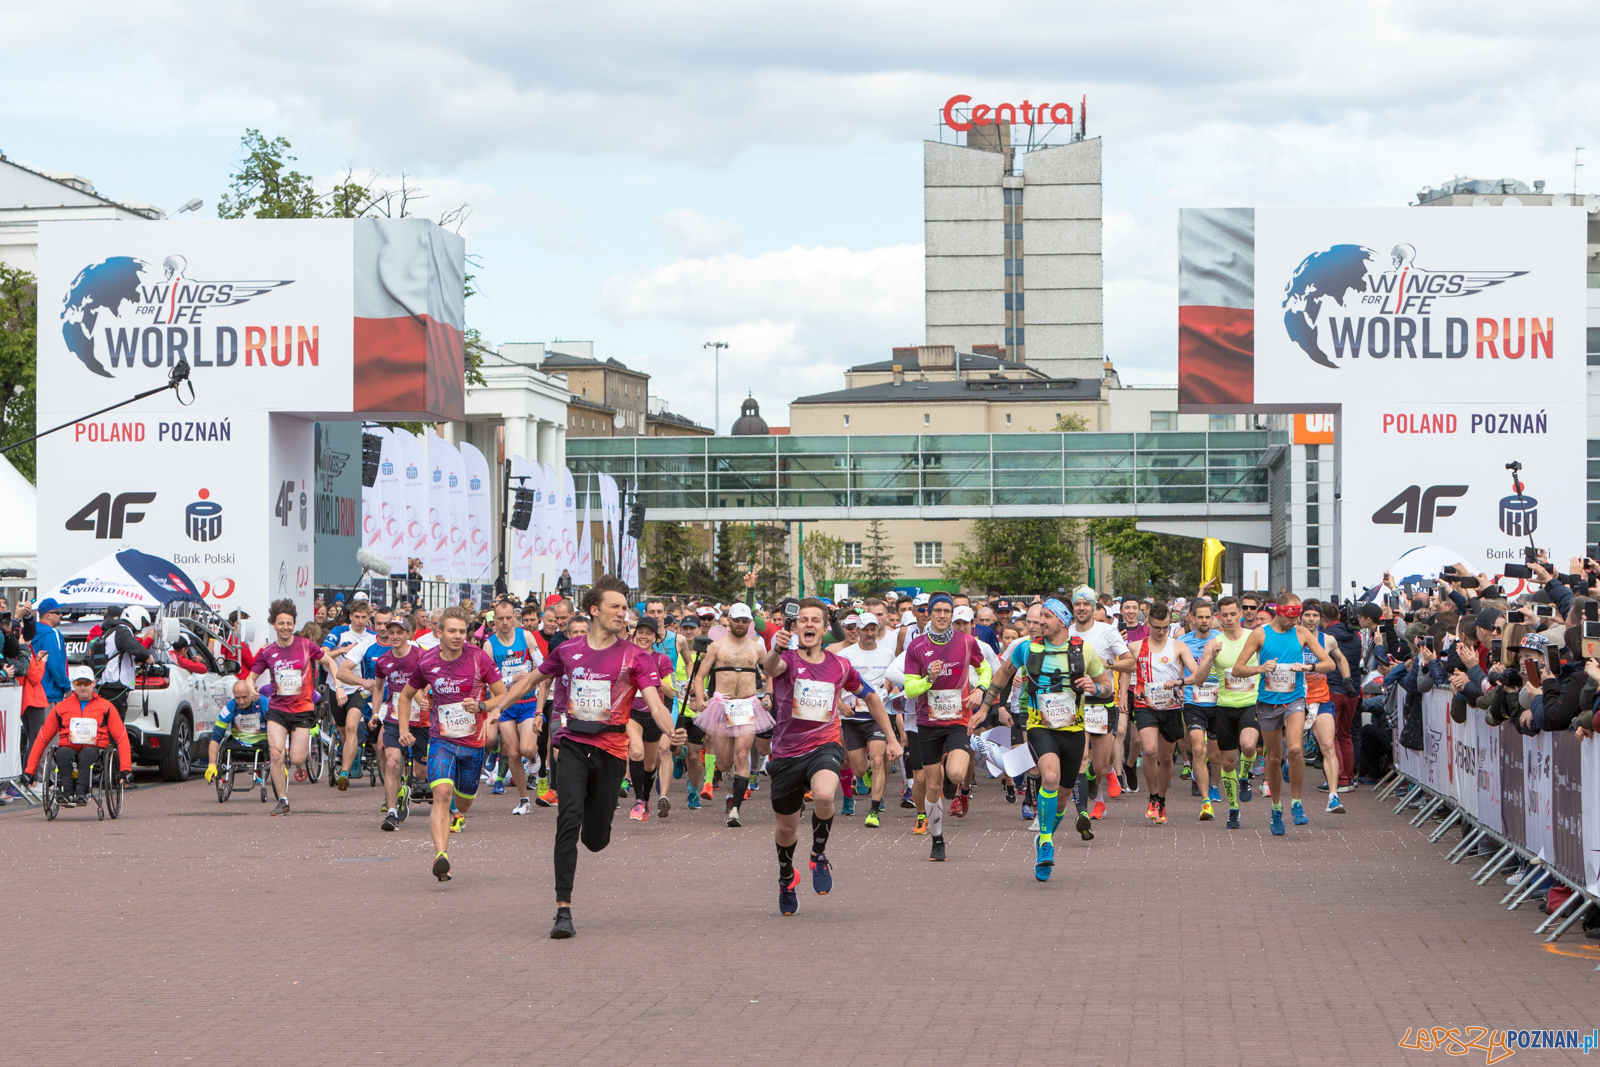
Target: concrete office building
column 29, row 197
column 1014, row 250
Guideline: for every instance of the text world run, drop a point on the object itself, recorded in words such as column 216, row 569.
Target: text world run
column 1401, row 336
column 157, row 346
column 983, row 114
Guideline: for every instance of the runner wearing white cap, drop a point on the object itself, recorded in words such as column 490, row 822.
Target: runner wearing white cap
column 864, row 740
column 734, row 712
column 1100, row 715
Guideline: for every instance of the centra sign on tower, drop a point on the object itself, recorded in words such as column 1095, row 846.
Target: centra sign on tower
column 1026, row 113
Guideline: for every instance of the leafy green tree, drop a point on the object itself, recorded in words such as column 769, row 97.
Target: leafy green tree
column 1017, row 556
column 1148, row 564
column 1071, row 422
column 19, row 301
column 668, row 552
column 761, row 547
column 726, row 574
column 877, row 561
column 265, row 187
column 823, row 563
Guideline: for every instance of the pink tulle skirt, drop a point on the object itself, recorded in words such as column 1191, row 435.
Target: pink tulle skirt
column 714, row 720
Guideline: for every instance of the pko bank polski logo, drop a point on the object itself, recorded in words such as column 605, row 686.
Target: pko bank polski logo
column 1519, row 515
column 124, row 313
column 1343, row 304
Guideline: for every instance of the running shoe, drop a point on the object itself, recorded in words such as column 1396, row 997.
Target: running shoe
column 1161, row 813
column 1322, row 788
column 788, row 901
column 342, row 780
column 626, row 785
column 871, row 820
column 677, row 765
column 1130, row 777
column 1285, row 770
column 1150, row 809
column 522, row 808
column 1027, row 810
column 1033, row 827
column 1113, row 784
column 639, row 812
column 391, row 819
column 499, row 788
column 1244, row 790
column 663, row 806
column 457, row 824
column 1233, row 818
column 1335, row 807
column 419, row 795
column 958, row 806
column 1044, row 858
column 1194, row 788
column 922, row 825
column 563, row 928
column 1277, row 823
column 707, row 790
column 865, row 790
column 1216, row 795
column 1083, row 827
column 849, row 805
column 821, row 875
column 1266, row 790
column 905, row 798
column 1011, row 793
column 441, row 867
column 694, row 800
column 1098, row 811
column 753, row 787
column 283, row 806
column 937, row 854
column 733, row 816
column 1298, row 812
column 1206, row 812
column 1187, row 772
column 546, row 797
column 1259, row 766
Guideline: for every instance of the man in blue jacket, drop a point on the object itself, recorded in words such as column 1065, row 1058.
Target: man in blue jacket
column 47, row 638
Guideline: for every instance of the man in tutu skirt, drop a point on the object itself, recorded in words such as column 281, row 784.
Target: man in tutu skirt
column 734, row 713
column 807, row 683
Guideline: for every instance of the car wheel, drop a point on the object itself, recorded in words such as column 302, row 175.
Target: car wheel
column 175, row 760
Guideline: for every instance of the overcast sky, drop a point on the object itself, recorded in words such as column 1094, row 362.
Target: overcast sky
column 653, row 176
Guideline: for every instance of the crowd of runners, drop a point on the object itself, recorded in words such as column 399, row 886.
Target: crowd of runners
column 1068, row 703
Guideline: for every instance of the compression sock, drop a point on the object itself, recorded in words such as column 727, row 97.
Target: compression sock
column 1047, row 813
column 637, row 778
column 739, row 786
column 1230, row 788
column 1100, row 792
column 786, row 863
column 1277, row 806
column 847, row 782
column 711, row 767
column 820, row 828
column 1080, row 793
column 936, row 818
column 877, row 805
column 949, row 788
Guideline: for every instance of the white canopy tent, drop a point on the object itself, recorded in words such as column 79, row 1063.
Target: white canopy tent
column 19, row 530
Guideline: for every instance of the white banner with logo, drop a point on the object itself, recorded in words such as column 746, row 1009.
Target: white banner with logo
column 550, row 515
column 414, row 485
column 583, row 573
column 478, row 517
column 610, row 513
column 569, row 521
column 455, row 477
column 12, row 758
column 391, row 501
column 1430, row 474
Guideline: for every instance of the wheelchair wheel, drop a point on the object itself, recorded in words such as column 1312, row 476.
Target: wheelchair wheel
column 113, row 786
column 314, row 755
column 52, row 799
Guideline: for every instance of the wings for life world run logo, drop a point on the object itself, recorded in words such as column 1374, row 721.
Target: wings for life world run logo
column 1345, row 303
column 122, row 313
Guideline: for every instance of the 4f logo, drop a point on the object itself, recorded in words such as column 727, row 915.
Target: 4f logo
column 105, row 517
column 285, row 506
column 1416, row 508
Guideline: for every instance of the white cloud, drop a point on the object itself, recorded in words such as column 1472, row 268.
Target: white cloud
column 793, row 319
column 696, row 236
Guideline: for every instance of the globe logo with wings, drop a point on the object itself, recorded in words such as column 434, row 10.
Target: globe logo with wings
column 1347, row 278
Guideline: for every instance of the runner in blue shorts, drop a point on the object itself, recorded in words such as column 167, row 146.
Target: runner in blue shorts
column 520, row 723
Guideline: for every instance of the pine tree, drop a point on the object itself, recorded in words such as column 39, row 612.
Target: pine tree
column 726, row 574
column 877, row 562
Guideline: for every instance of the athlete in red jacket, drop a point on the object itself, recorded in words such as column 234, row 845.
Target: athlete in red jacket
column 84, row 724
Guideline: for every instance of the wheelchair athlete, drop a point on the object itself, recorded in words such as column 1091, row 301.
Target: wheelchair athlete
column 242, row 724
column 83, row 725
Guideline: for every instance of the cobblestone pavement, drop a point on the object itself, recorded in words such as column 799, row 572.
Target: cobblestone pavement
column 195, row 931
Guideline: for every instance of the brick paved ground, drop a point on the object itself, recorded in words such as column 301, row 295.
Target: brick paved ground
column 190, row 930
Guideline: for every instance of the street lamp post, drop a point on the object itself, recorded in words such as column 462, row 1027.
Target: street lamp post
column 716, row 404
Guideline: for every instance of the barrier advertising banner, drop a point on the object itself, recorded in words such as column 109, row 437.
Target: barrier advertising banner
column 1528, row 789
column 1450, row 341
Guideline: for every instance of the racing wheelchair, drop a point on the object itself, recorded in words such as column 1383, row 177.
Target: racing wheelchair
column 105, row 785
column 253, row 760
